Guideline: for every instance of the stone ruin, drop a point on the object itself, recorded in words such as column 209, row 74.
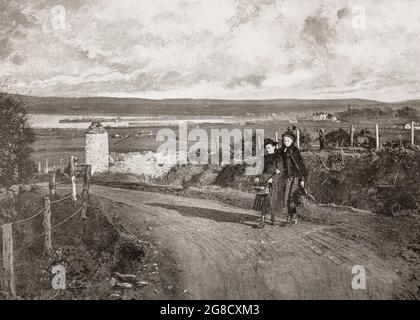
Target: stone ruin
column 97, row 148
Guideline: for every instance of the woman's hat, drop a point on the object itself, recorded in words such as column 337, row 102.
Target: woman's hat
column 289, row 134
column 268, row 141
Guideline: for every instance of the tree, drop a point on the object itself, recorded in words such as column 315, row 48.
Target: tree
column 16, row 136
column 408, row 113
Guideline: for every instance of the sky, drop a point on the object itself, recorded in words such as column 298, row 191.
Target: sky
column 225, row 49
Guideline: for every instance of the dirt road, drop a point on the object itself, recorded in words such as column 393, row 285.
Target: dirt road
column 218, row 255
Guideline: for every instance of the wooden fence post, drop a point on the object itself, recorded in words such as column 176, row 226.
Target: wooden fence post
column 52, row 184
column 61, row 166
column 298, row 138
column 73, row 178
column 85, row 192
column 321, row 139
column 46, row 166
column 377, row 136
column 47, row 224
column 342, row 156
column 351, row 136
column 412, row 133
column 14, row 211
column 84, row 205
column 39, row 167
column 88, row 176
column 8, row 265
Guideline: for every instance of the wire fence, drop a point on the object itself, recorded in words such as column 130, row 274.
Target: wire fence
column 386, row 132
column 8, row 252
column 43, row 233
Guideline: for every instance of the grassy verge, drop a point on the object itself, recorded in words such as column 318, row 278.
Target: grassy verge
column 97, row 254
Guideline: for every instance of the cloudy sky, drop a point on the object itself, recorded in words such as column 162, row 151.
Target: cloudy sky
column 238, row 49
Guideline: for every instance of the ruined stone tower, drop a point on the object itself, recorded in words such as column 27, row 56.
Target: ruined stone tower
column 97, row 148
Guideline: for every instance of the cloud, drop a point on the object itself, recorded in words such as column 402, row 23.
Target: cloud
column 343, row 12
column 224, row 49
column 252, row 80
column 318, row 30
column 5, row 48
column 18, row 59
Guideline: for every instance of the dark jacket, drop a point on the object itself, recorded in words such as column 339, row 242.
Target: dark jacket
column 293, row 165
column 271, row 163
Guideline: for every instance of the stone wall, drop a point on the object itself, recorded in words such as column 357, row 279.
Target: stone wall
column 151, row 165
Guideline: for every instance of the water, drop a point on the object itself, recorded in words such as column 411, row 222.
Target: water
column 48, row 121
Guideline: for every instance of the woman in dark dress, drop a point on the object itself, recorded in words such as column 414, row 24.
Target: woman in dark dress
column 293, row 178
column 269, row 202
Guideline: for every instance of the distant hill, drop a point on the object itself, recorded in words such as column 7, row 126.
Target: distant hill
column 138, row 106
column 408, row 103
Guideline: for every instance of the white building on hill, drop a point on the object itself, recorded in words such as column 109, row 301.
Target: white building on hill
column 408, row 126
column 323, row 116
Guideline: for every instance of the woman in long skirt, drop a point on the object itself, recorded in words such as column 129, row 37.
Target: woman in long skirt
column 293, row 178
column 269, row 202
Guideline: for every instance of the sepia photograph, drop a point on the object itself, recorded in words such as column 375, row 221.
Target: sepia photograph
column 231, row 150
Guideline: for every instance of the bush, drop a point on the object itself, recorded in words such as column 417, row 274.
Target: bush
column 399, row 145
column 337, row 138
column 396, row 178
column 385, row 182
column 305, row 140
column 364, row 139
column 16, row 135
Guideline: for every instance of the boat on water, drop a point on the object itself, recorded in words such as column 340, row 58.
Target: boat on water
column 87, row 120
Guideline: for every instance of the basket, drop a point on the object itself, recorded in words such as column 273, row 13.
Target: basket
column 261, row 190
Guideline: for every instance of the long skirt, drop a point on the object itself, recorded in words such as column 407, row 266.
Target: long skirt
column 262, row 203
column 271, row 201
column 289, row 189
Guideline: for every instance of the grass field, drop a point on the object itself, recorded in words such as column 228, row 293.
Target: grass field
column 56, row 144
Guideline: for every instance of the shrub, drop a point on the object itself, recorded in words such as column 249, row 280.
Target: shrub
column 305, row 140
column 364, row 139
column 395, row 176
column 16, row 135
column 337, row 138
